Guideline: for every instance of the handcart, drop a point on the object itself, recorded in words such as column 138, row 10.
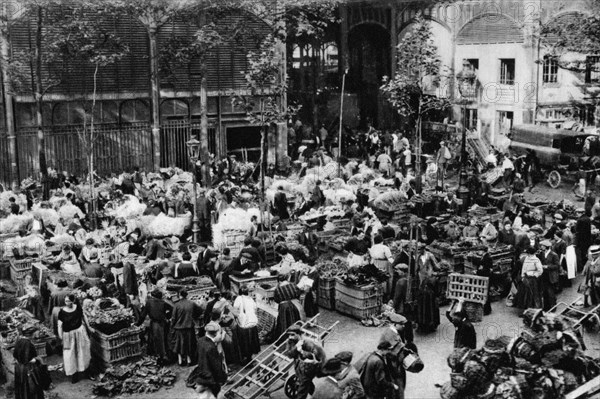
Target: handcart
column 271, row 369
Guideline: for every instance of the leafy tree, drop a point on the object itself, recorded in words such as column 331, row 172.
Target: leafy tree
column 82, row 39
column 419, row 71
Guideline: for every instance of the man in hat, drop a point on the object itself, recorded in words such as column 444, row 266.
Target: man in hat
column 210, row 372
column 310, row 240
column 280, row 204
column 348, row 378
column 203, row 213
column 442, row 158
column 376, row 373
column 400, row 287
column 309, row 358
column 549, row 281
column 583, row 237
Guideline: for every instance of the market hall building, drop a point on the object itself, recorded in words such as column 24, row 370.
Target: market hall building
column 125, row 116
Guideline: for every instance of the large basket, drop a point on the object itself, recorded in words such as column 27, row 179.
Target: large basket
column 326, row 298
column 22, row 264
column 358, row 313
column 362, row 297
column 18, row 274
column 109, row 349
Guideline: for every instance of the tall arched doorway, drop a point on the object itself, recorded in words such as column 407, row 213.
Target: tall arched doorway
column 369, row 48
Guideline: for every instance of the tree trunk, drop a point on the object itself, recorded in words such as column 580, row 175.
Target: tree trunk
column 315, row 89
column 8, row 101
column 155, row 93
column 38, row 101
column 418, row 171
column 204, row 156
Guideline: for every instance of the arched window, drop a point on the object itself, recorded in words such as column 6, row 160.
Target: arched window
column 68, row 113
column 134, row 111
column 174, row 109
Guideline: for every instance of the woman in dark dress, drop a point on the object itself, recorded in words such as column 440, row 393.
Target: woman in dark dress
column 485, row 270
column 30, row 380
column 231, row 341
column 529, row 294
column 428, row 311
column 159, row 312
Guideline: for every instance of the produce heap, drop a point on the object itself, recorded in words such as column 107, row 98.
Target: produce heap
column 107, row 315
column 144, row 376
column 546, row 361
column 17, row 323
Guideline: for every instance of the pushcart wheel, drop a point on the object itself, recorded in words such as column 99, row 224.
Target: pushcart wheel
column 291, row 386
column 554, row 179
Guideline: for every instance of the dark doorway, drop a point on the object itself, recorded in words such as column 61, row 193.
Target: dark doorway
column 369, row 47
column 245, row 138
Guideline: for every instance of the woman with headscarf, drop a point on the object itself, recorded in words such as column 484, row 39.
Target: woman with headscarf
column 245, row 308
column 159, row 312
column 76, row 344
column 31, row 300
column 528, row 294
column 230, row 327
column 31, row 378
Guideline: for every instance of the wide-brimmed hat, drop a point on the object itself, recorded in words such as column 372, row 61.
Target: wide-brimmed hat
column 546, row 243
column 345, row 357
column 332, row 366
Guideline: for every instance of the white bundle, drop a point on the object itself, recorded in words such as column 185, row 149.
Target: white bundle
column 48, row 216
column 391, row 201
column 20, row 200
column 34, row 244
column 14, row 223
column 163, row 225
column 56, row 202
column 68, row 212
column 339, row 196
column 265, row 217
column 231, row 219
column 63, row 239
column 130, row 209
column 12, row 243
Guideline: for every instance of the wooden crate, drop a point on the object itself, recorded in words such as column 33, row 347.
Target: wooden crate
column 362, row 297
column 326, row 298
column 468, row 287
column 109, row 349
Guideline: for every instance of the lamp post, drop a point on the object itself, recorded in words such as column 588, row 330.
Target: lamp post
column 193, row 147
column 467, row 87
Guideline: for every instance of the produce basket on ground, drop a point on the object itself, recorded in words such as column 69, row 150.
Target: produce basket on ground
column 326, row 293
column 358, row 301
column 108, row 349
column 20, row 268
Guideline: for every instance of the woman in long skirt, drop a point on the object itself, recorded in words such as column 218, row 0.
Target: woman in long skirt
column 428, row 311
column 76, row 344
column 245, row 307
column 158, row 311
column 231, row 339
column 29, row 380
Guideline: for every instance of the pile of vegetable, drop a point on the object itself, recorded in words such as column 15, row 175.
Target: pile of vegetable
column 332, row 268
column 546, row 361
column 189, row 283
column 107, row 315
column 363, row 275
column 144, row 376
column 16, row 323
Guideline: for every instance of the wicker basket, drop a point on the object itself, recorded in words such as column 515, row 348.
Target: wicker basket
column 326, row 298
column 474, row 311
column 359, row 296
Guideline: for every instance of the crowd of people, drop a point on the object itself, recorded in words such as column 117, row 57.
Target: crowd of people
column 220, row 334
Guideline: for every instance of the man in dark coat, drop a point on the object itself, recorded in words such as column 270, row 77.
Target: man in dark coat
column 206, row 260
column 317, row 197
column 14, row 207
column 583, row 237
column 375, row 374
column 507, row 235
column 550, row 261
column 464, row 336
column 386, row 231
column 280, row 204
column 204, row 215
column 310, row 240
column 209, row 373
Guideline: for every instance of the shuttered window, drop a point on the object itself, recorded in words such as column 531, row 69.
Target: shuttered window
column 507, row 71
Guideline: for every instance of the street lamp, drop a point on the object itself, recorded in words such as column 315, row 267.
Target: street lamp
column 467, row 87
column 193, row 147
